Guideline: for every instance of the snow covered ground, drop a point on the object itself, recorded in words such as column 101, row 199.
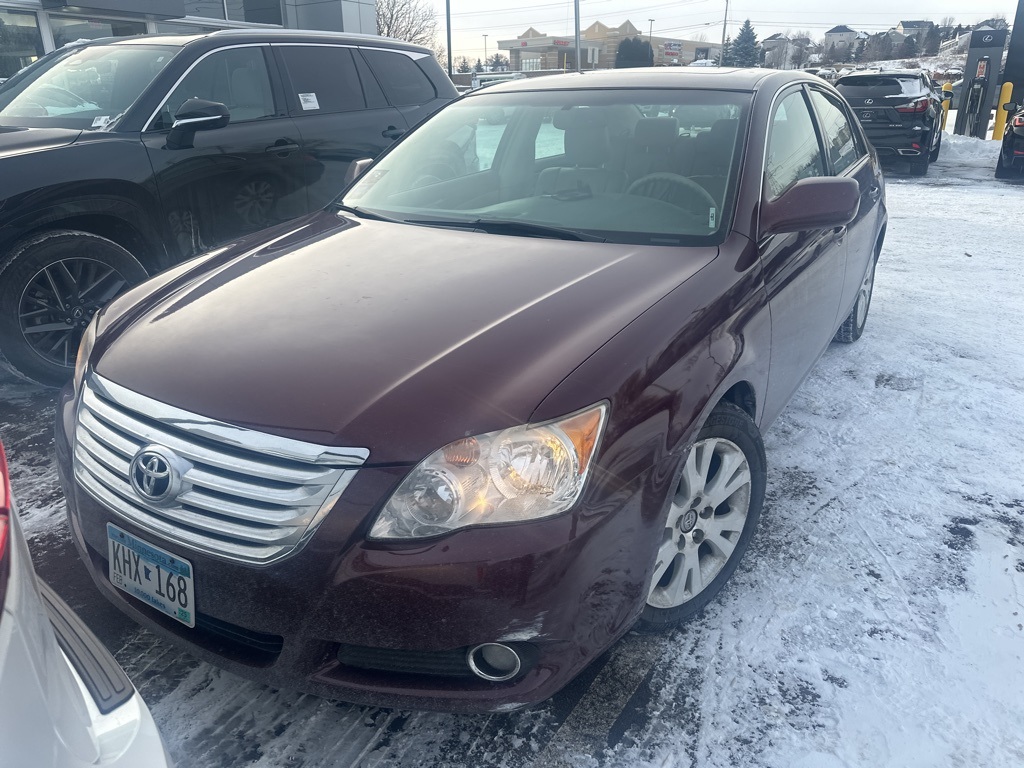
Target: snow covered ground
column 877, row 621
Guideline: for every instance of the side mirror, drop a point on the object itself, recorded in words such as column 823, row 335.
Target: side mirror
column 815, row 203
column 196, row 115
column 1011, row 107
column 356, row 169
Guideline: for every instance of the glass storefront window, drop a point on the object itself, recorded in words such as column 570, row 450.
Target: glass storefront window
column 208, row 9
column 254, row 11
column 170, row 28
column 20, row 42
column 68, row 29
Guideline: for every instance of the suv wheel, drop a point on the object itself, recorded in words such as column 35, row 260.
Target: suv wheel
column 919, row 167
column 1002, row 172
column 935, row 152
column 50, row 287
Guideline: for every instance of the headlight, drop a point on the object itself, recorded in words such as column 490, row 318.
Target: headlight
column 84, row 350
column 517, row 474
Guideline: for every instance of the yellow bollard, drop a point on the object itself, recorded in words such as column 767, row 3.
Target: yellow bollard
column 946, row 88
column 1004, row 96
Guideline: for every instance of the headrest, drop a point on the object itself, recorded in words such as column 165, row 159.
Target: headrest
column 659, row 132
column 573, row 116
column 587, row 145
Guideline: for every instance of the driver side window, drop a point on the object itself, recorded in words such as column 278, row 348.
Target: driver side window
column 793, row 149
column 236, row 77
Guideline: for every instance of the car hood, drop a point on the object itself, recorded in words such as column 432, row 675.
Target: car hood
column 17, row 140
column 391, row 337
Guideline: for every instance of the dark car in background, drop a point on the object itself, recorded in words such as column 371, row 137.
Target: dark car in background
column 1011, row 152
column 498, row 403
column 120, row 158
column 901, row 112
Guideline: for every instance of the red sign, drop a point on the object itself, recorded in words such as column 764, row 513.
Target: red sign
column 561, row 42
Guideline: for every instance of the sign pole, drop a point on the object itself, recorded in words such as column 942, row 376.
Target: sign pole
column 576, row 3
column 448, row 26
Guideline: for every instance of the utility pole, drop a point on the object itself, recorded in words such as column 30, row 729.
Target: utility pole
column 448, row 26
column 725, row 22
column 650, row 33
column 576, row 3
column 485, row 53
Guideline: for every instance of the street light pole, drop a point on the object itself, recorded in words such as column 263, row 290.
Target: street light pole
column 576, row 3
column 448, row 26
column 725, row 22
column 650, row 32
column 485, row 53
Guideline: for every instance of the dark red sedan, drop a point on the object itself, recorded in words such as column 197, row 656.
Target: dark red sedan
column 443, row 443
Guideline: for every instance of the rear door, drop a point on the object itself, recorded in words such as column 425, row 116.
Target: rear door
column 340, row 111
column 405, row 82
column 803, row 271
column 232, row 180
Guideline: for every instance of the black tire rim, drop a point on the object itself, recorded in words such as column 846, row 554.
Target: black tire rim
column 254, row 201
column 58, row 303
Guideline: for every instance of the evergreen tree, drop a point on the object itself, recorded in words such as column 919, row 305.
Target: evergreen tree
column 931, row 42
column 462, row 65
column 478, row 67
column 908, row 49
column 727, row 58
column 744, row 47
column 498, row 63
column 634, row 52
column 858, row 52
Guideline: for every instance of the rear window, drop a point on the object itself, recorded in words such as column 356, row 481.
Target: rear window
column 879, row 85
column 404, row 83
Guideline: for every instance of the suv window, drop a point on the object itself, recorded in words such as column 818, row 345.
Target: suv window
column 236, row 77
column 793, row 150
column 404, row 83
column 860, row 86
column 838, row 133
column 323, row 80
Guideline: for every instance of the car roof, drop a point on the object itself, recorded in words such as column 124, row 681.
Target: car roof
column 707, row 78
column 220, row 36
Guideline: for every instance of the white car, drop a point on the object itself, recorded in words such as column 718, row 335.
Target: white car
column 64, row 701
column 703, row 63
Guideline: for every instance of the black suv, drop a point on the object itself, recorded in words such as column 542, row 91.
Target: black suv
column 901, row 112
column 119, row 158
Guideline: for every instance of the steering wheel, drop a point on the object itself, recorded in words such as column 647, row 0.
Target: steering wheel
column 63, row 95
column 675, row 190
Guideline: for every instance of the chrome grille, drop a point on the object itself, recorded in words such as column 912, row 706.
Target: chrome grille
column 245, row 495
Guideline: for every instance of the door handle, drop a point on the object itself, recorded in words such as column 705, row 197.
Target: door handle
column 839, row 233
column 282, row 147
column 392, row 133
column 874, row 192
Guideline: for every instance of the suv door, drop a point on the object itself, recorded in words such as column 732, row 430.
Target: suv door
column 339, row 110
column 803, row 271
column 233, row 180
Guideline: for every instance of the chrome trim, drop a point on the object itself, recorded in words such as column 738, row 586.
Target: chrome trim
column 192, row 120
column 245, row 496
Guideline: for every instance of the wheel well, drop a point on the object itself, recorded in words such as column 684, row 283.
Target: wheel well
column 742, row 394
column 879, row 242
column 112, row 228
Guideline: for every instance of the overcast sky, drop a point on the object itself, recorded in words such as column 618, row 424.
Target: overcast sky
column 506, row 19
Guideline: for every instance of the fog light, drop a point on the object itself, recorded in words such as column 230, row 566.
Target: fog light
column 494, row 662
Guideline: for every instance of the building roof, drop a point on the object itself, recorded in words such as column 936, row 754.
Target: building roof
column 915, row 24
column 840, row 30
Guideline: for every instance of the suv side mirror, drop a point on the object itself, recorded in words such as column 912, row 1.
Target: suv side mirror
column 1011, row 107
column 820, row 202
column 356, row 169
column 196, row 115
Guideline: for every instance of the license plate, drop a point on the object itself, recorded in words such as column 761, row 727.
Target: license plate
column 152, row 575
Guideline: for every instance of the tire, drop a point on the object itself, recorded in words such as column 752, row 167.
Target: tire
column 919, row 167
column 1002, row 172
column 702, row 545
column 935, row 152
column 57, row 279
column 853, row 325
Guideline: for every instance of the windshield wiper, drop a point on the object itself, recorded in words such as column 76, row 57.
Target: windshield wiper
column 363, row 213
column 510, row 227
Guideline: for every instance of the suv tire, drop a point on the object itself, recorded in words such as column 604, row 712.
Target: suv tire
column 57, row 279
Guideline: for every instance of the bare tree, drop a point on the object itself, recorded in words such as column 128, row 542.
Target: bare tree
column 411, row 20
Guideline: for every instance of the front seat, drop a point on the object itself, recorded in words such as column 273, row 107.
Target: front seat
column 587, row 152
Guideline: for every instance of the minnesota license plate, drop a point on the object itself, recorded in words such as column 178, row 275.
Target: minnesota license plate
column 152, row 575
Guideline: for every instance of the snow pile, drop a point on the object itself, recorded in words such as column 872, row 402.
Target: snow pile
column 968, row 151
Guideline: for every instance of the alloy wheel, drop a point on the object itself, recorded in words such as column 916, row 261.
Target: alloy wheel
column 864, row 296
column 704, row 524
column 60, row 300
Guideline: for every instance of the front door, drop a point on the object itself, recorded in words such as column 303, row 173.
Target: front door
column 234, row 180
column 803, row 271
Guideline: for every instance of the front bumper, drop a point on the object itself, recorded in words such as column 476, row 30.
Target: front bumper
column 563, row 589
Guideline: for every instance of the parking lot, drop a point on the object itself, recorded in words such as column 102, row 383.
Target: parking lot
column 877, row 620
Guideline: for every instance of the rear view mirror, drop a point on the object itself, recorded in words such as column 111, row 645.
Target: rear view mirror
column 815, row 203
column 356, row 169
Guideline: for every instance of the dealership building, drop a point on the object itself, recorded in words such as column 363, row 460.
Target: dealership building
column 30, row 28
column 534, row 50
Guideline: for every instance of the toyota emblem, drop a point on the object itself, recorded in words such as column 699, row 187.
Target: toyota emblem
column 155, row 473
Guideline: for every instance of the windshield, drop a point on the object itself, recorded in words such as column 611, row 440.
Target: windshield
column 87, row 88
column 879, row 85
column 654, row 167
